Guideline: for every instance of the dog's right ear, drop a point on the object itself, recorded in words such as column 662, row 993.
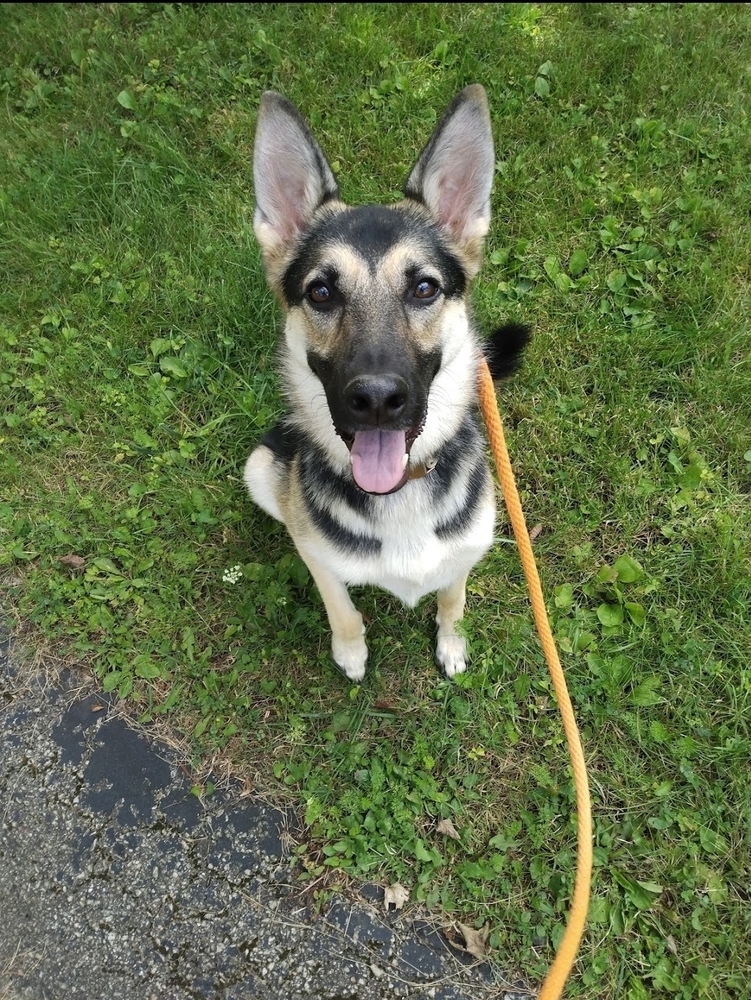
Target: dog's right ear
column 290, row 173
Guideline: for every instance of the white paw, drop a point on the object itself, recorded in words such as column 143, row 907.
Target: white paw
column 350, row 655
column 451, row 654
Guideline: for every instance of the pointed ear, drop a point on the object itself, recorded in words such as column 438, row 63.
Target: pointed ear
column 454, row 173
column 290, row 173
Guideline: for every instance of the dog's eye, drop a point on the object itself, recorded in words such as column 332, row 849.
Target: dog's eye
column 320, row 294
column 425, row 290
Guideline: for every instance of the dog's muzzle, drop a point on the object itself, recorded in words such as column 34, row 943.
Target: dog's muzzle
column 379, row 454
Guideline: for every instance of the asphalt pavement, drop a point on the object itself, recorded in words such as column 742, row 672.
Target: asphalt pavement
column 116, row 882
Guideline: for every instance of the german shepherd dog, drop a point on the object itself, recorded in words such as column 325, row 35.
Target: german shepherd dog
column 379, row 471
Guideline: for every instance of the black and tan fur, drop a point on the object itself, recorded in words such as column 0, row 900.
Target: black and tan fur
column 379, row 471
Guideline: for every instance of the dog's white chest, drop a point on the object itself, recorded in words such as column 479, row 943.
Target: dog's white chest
column 413, row 560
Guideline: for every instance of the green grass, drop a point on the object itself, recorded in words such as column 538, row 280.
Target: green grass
column 136, row 371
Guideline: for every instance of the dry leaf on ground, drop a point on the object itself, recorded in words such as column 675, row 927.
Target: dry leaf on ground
column 468, row 939
column 74, row 561
column 395, row 896
column 447, row 827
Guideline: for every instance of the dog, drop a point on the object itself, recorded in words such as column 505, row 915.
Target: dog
column 379, row 470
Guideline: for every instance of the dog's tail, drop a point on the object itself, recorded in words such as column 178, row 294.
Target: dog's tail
column 504, row 348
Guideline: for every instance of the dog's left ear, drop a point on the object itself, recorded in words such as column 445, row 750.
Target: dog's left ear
column 454, row 173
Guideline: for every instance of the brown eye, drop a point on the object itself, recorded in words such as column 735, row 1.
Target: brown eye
column 320, row 294
column 425, row 290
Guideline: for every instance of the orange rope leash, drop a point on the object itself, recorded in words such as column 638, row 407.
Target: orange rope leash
column 555, row 981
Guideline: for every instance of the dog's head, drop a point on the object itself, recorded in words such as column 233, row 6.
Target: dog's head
column 375, row 295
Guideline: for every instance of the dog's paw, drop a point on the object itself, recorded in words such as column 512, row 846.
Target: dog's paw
column 350, row 655
column 451, row 654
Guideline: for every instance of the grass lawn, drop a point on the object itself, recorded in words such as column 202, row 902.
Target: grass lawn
column 137, row 371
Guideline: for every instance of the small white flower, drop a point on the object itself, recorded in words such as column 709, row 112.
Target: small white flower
column 232, row 575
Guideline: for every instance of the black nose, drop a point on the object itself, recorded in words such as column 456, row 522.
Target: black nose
column 372, row 400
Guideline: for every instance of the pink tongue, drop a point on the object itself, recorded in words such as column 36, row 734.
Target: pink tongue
column 378, row 460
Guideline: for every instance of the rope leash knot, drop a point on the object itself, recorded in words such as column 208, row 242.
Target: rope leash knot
column 556, row 978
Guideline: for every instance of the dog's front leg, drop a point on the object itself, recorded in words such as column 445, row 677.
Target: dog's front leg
column 451, row 648
column 347, row 630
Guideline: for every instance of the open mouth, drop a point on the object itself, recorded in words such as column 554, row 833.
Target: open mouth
column 380, row 458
